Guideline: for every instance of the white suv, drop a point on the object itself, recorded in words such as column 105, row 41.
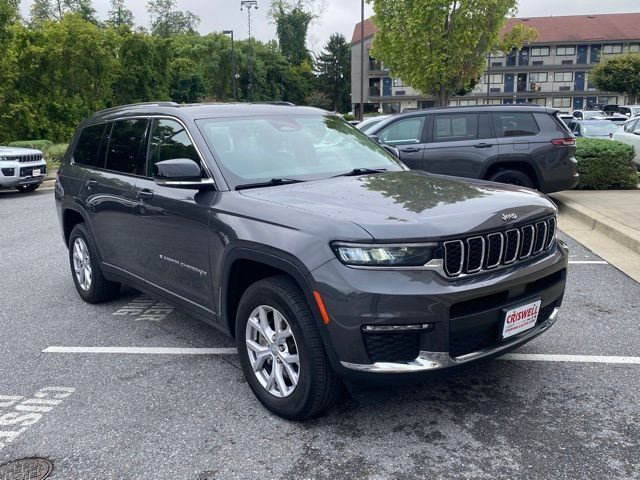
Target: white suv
column 21, row 168
column 629, row 133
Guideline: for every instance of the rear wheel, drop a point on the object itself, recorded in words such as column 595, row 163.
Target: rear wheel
column 513, row 177
column 85, row 268
column 281, row 351
column 27, row 188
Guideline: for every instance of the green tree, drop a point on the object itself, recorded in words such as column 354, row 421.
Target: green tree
column 43, row 10
column 9, row 14
column 439, row 47
column 119, row 15
column 167, row 21
column 292, row 19
column 334, row 69
column 620, row 74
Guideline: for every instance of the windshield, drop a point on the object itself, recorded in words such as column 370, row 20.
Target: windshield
column 302, row 147
column 636, row 111
column 599, row 129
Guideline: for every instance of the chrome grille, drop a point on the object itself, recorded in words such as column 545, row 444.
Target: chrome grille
column 492, row 250
column 36, row 157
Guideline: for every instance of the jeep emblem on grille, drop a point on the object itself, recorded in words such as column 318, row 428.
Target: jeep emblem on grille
column 509, row 217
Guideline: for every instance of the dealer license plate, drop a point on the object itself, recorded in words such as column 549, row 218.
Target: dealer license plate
column 520, row 319
column 35, row 172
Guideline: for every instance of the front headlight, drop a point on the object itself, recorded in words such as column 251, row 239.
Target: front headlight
column 381, row 255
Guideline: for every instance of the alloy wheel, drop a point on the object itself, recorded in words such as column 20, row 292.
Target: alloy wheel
column 82, row 264
column 272, row 350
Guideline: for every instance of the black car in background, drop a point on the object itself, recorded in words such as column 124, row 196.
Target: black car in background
column 325, row 257
column 528, row 146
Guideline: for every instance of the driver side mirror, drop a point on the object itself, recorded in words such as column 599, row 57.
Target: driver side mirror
column 179, row 173
column 392, row 150
column 636, row 131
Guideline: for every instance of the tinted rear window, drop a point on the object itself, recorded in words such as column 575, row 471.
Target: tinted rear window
column 515, row 124
column 86, row 152
column 126, row 152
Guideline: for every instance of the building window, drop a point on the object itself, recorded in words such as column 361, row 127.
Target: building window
column 453, row 103
column 634, row 47
column 538, row 77
column 467, row 102
column 565, row 50
column 493, row 101
column 495, row 79
column 539, row 51
column 539, row 101
column 608, row 100
column 393, row 107
column 563, row 77
column 614, row 48
column 562, row 102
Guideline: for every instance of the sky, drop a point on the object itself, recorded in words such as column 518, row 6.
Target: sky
column 339, row 15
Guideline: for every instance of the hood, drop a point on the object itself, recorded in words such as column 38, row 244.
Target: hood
column 411, row 204
column 11, row 151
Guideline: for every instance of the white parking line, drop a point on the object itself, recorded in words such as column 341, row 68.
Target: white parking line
column 529, row 357
column 543, row 357
column 588, row 262
column 143, row 350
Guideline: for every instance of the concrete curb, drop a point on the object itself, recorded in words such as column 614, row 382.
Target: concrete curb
column 616, row 231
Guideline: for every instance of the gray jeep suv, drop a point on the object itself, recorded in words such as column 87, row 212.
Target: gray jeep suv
column 327, row 259
column 21, row 168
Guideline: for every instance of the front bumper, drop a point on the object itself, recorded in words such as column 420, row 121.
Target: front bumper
column 465, row 315
column 14, row 174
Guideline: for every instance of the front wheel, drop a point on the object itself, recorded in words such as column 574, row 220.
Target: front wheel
column 281, row 351
column 27, row 188
column 513, row 177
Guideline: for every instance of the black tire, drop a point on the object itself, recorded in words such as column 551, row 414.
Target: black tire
column 100, row 289
column 318, row 386
column 513, row 177
column 27, row 188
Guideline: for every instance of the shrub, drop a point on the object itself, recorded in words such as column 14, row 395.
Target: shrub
column 55, row 154
column 605, row 164
column 41, row 145
column 348, row 117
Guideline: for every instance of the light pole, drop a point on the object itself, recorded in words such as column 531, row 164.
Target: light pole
column 361, row 60
column 249, row 4
column 233, row 66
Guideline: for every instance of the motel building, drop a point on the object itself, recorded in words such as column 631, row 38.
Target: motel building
column 553, row 71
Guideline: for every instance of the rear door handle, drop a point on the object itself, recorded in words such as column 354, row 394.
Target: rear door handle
column 483, row 145
column 145, row 193
column 92, row 182
column 410, row 150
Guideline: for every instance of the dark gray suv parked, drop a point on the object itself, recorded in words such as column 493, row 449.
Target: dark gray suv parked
column 326, row 258
column 529, row 146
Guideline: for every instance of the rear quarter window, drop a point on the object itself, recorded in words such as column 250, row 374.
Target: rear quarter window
column 515, row 124
column 86, row 151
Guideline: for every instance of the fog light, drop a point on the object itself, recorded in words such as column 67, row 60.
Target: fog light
column 422, row 327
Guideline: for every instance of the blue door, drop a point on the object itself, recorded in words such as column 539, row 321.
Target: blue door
column 386, row 87
column 508, row 82
column 579, row 82
column 582, row 54
column 578, row 103
column 523, row 57
column 595, row 53
column 521, row 100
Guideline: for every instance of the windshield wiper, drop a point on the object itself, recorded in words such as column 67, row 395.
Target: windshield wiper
column 269, row 183
column 361, row 171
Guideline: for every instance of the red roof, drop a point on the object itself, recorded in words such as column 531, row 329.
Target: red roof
column 570, row 28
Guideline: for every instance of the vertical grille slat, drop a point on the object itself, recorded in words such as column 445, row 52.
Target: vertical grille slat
column 489, row 251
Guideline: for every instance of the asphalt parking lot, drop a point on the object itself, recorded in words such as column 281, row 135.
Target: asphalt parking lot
column 192, row 416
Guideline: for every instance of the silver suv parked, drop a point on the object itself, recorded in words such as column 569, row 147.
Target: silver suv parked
column 21, row 168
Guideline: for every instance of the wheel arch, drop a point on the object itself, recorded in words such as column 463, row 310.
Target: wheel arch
column 70, row 218
column 525, row 167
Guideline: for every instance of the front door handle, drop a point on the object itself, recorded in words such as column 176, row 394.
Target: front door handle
column 92, row 182
column 410, row 150
column 483, row 145
column 145, row 194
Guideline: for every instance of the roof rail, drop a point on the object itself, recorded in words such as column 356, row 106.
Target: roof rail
column 275, row 102
column 142, row 104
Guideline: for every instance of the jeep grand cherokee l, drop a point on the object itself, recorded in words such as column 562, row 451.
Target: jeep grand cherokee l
column 325, row 257
column 21, row 168
column 528, row 145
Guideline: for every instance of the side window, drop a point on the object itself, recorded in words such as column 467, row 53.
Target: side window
column 511, row 124
column 403, row 132
column 86, row 151
column 631, row 126
column 452, row 128
column 126, row 149
column 169, row 140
